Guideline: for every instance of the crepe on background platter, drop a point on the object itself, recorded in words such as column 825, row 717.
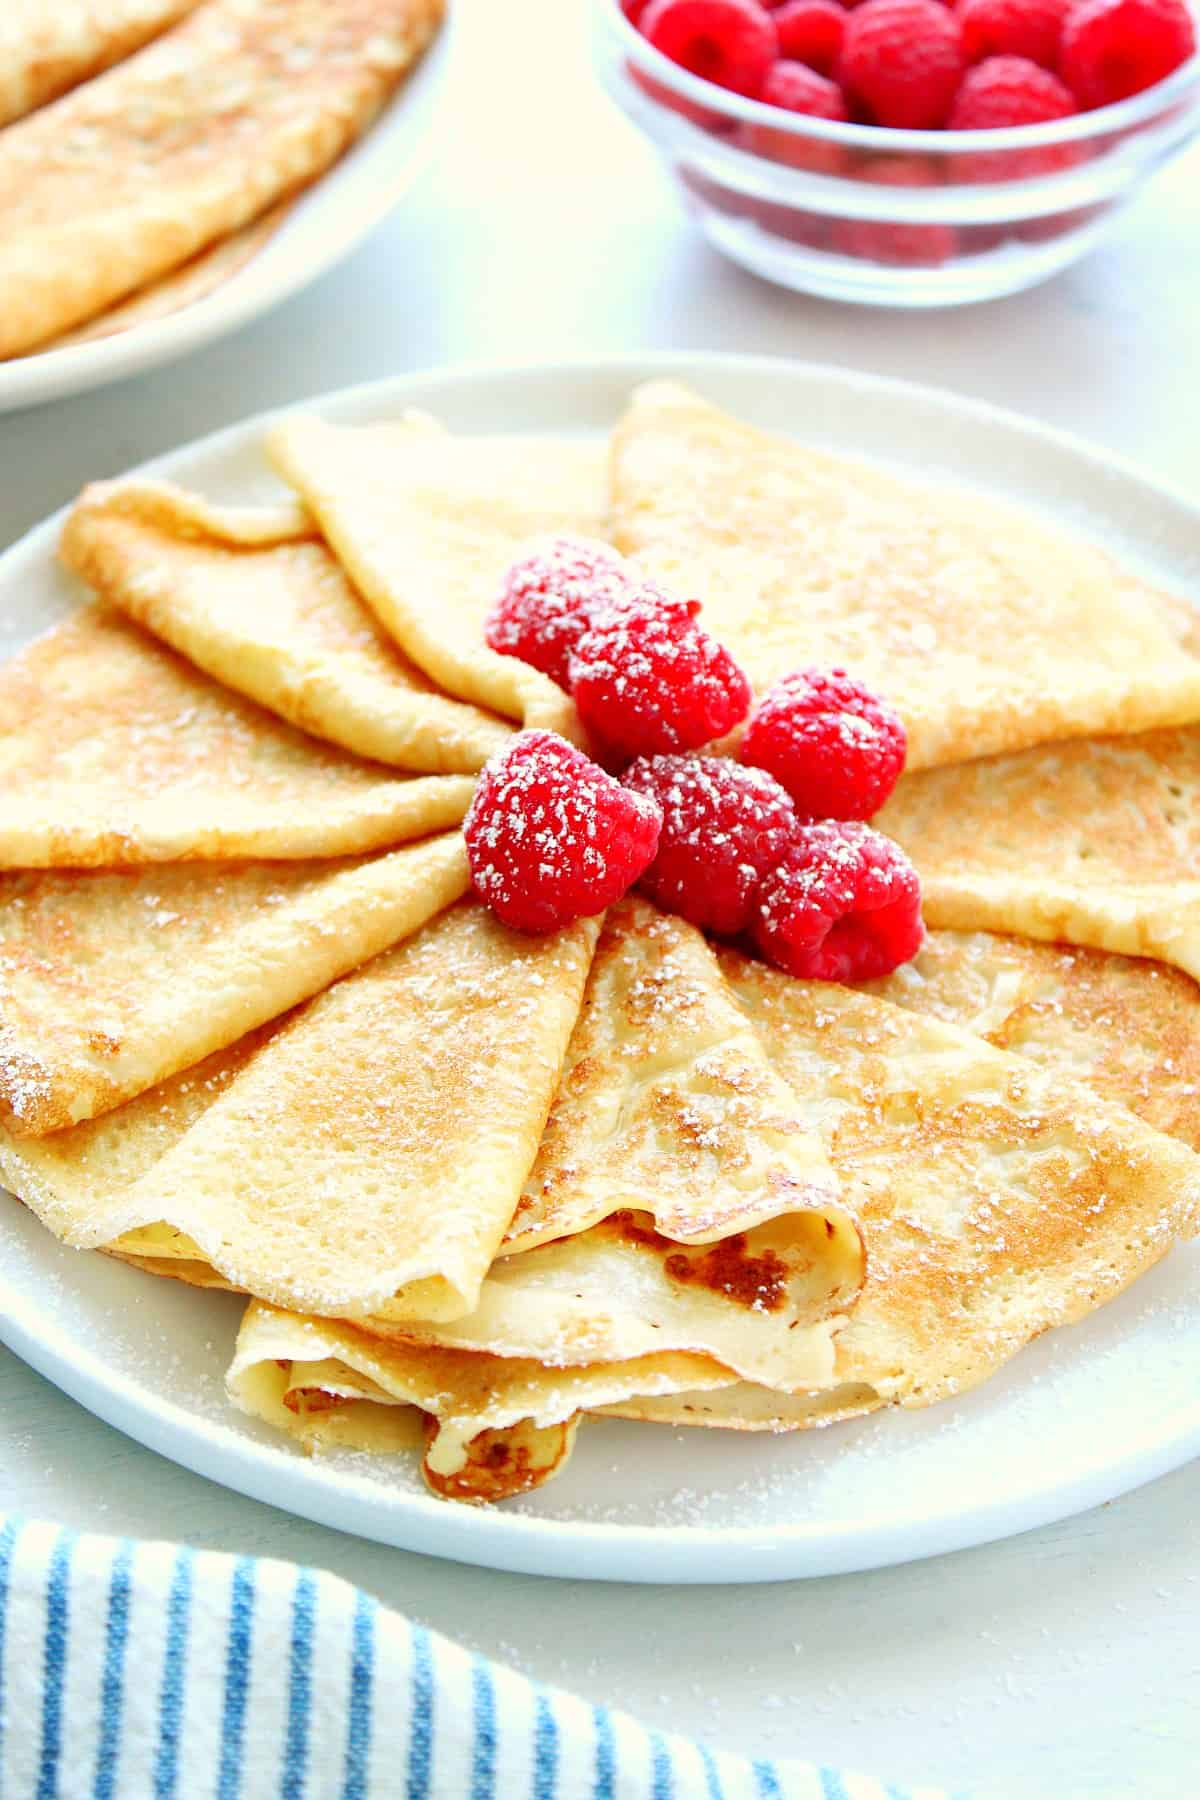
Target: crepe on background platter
column 243, row 103
column 1091, row 842
column 48, row 48
column 116, row 752
column 275, row 620
column 987, row 631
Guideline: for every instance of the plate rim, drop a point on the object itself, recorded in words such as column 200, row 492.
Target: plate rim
column 591, row 1549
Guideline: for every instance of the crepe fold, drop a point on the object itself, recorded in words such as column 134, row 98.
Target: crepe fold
column 115, row 752
column 986, row 630
column 111, row 981
column 996, row 1198
column 1094, row 842
column 426, row 523
column 276, row 621
column 45, row 49
column 365, row 1159
column 241, row 104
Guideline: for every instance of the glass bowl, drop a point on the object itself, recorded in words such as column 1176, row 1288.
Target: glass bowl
column 892, row 218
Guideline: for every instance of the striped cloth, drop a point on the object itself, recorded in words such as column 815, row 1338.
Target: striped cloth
column 134, row 1669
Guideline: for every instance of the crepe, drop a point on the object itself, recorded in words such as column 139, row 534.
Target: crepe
column 986, row 630
column 367, row 1158
column 1129, row 1029
column 1090, row 842
column 426, row 523
column 185, row 286
column 111, row 981
column 279, row 623
column 114, row 751
column 668, row 1105
column 48, row 46
column 241, row 105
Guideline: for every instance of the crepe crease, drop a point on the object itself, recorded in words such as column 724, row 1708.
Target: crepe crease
column 276, row 621
column 187, row 142
column 987, row 630
column 425, row 524
column 116, row 752
column 47, row 49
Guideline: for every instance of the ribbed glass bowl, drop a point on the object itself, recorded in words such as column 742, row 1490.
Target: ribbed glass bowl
column 892, row 218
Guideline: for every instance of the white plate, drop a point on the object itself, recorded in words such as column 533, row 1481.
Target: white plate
column 324, row 226
column 1082, row 1415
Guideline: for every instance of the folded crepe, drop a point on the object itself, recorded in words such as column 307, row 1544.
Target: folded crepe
column 1092, row 842
column 996, row 1198
column 185, row 286
column 114, row 751
column 47, row 48
column 425, row 523
column 240, row 105
column 110, row 981
column 1129, row 1029
column 669, row 1106
column 276, row 621
column 366, row 1159
column 986, row 630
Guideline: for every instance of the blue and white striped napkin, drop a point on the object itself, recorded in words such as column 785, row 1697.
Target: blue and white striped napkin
column 133, row 1669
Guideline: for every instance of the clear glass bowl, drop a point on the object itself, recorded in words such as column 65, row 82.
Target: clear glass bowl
column 892, row 218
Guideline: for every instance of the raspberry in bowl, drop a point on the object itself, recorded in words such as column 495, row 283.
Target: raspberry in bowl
column 906, row 152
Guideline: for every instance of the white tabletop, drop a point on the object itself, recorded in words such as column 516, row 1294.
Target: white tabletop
column 1062, row 1663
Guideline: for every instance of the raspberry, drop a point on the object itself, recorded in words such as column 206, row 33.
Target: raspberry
column 723, row 827
column 730, row 42
column 647, row 678
column 902, row 60
column 550, row 837
column 1011, row 90
column 799, row 90
column 899, row 241
column 810, row 31
column 1114, row 48
column 547, row 600
column 633, row 9
column 843, row 905
column 835, row 746
column 1029, row 28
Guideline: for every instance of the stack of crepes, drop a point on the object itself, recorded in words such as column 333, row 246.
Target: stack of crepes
column 255, row 1034
column 151, row 147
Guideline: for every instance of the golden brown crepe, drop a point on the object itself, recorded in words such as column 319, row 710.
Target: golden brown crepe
column 132, row 175
column 1129, row 1029
column 426, row 523
column 49, row 46
column 278, row 622
column 110, row 981
column 185, row 286
column 986, row 630
column 1093, row 842
column 115, row 752
column 367, row 1158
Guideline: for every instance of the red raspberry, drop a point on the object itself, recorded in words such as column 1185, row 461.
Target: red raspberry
column 799, row 90
column 730, row 42
column 1030, row 28
column 1011, row 90
column 901, row 241
column 1114, row 48
column 902, row 60
column 647, row 678
column 550, row 837
column 723, row 827
column 633, row 9
column 836, row 747
column 548, row 598
column 810, row 31
column 843, row 905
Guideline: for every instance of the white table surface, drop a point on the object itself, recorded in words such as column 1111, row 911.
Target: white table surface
column 1062, row 1663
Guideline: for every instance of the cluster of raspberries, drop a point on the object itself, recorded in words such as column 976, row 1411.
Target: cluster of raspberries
column 919, row 65
column 770, row 850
